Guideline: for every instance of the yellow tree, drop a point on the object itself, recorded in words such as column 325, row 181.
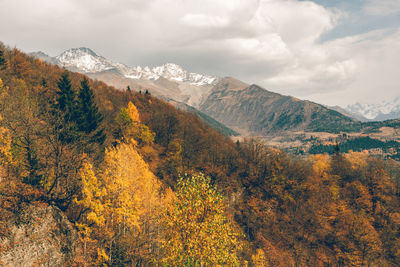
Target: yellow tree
column 5, row 139
column 132, row 202
column 197, row 232
column 118, row 209
column 259, row 259
column 91, row 206
column 5, row 146
column 131, row 126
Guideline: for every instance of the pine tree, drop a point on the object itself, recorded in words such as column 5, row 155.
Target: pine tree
column 43, row 82
column 64, row 111
column 88, row 116
column 2, row 59
column 66, row 102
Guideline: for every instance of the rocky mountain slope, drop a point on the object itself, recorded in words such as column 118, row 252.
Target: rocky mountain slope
column 256, row 111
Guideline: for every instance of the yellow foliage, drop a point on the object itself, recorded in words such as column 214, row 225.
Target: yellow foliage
column 321, row 164
column 358, row 160
column 259, row 259
column 133, row 112
column 132, row 128
column 132, row 188
column 120, row 202
column 101, row 256
column 5, row 146
column 92, row 194
column 197, row 231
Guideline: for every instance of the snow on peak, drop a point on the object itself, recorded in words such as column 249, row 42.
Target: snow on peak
column 87, row 61
column 84, row 59
column 173, row 72
column 376, row 111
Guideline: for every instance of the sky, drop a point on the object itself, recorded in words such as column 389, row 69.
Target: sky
column 334, row 52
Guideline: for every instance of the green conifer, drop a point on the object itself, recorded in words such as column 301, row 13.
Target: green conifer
column 2, row 59
column 88, row 116
column 64, row 111
column 66, row 102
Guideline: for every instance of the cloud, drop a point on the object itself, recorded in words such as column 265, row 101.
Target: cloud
column 274, row 43
column 382, row 7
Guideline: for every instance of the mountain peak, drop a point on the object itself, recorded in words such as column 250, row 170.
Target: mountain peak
column 84, row 59
column 81, row 50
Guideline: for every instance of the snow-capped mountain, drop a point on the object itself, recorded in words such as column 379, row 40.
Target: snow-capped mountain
column 169, row 80
column 385, row 110
column 86, row 61
column 173, row 72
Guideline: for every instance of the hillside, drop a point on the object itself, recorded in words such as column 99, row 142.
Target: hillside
column 259, row 112
column 207, row 119
column 143, row 183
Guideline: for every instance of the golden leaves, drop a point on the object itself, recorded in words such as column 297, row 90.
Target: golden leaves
column 197, row 232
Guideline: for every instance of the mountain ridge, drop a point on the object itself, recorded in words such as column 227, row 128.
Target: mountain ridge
column 262, row 112
column 188, row 87
column 247, row 109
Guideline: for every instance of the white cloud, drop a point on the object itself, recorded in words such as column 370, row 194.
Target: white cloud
column 203, row 20
column 382, row 7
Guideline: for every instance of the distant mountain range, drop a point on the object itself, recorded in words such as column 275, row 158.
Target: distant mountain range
column 168, row 80
column 248, row 109
column 386, row 110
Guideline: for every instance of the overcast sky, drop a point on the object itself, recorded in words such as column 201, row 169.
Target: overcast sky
column 329, row 51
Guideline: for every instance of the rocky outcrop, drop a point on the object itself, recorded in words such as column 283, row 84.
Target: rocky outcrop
column 40, row 235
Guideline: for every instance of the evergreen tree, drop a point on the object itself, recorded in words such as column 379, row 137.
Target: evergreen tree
column 66, row 102
column 2, row 59
column 43, row 82
column 64, row 111
column 88, row 116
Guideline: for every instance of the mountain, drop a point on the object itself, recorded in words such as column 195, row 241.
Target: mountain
column 250, row 109
column 169, row 80
column 386, row 110
column 43, row 56
column 357, row 117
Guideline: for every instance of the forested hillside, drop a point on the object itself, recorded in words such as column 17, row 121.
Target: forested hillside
column 143, row 183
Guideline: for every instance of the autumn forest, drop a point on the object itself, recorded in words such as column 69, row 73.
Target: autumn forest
column 145, row 184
